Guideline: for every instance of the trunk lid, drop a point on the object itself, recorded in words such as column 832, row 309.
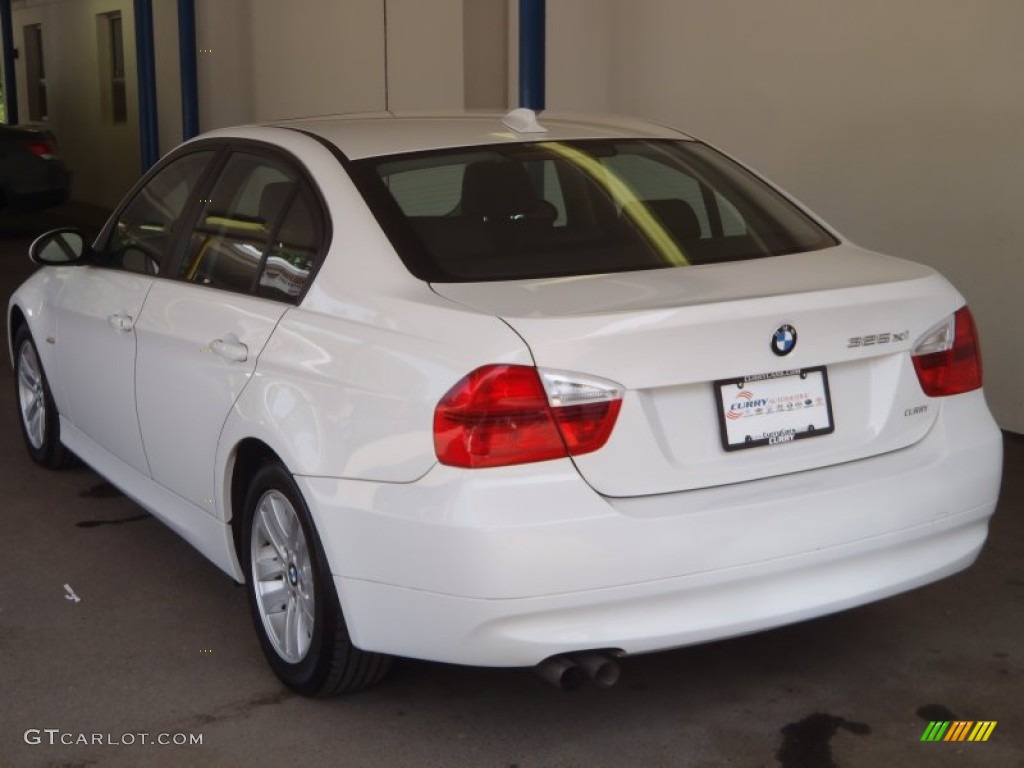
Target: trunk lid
column 668, row 335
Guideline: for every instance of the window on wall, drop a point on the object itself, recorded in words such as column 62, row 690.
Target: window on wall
column 36, row 72
column 110, row 46
column 118, row 93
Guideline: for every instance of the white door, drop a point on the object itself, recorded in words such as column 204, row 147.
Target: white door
column 96, row 313
column 100, row 304
column 197, row 350
column 201, row 333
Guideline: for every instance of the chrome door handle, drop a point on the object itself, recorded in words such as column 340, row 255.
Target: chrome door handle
column 230, row 348
column 121, row 321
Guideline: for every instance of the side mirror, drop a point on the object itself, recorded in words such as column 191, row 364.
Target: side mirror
column 59, row 247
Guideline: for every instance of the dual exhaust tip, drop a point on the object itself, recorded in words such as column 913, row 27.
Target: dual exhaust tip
column 568, row 672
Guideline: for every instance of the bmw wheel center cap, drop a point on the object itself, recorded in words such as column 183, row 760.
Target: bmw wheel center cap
column 784, row 340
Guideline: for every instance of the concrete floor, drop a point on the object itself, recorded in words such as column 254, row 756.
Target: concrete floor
column 161, row 642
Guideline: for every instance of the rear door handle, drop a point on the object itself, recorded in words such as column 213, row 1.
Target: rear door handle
column 230, row 348
column 121, row 321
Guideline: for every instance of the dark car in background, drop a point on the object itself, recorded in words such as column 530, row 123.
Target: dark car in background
column 32, row 175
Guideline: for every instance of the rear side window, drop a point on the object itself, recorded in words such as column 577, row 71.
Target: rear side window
column 259, row 231
column 292, row 253
column 549, row 209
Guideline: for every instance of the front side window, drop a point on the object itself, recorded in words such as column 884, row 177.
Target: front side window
column 557, row 208
column 145, row 229
column 258, row 232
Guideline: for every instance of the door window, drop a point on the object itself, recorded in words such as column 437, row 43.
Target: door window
column 258, row 232
column 143, row 233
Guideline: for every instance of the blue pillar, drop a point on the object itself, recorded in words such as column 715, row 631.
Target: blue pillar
column 189, row 76
column 10, row 84
column 531, row 54
column 146, row 62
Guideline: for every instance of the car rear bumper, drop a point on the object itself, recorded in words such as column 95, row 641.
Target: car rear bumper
column 654, row 616
column 35, row 183
column 510, row 566
column 47, row 198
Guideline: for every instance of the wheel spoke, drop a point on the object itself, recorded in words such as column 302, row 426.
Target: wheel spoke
column 275, row 623
column 274, row 599
column 296, row 540
column 269, row 567
column 26, row 377
column 301, row 555
column 304, row 627
column 288, row 526
column 270, row 526
column 291, row 640
column 28, row 355
column 307, row 603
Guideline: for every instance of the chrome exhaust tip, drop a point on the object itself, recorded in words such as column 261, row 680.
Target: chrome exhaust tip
column 600, row 668
column 562, row 672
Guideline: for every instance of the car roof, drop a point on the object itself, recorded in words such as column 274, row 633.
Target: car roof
column 389, row 133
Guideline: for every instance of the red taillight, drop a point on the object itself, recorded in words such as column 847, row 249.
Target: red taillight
column 948, row 359
column 45, row 149
column 502, row 414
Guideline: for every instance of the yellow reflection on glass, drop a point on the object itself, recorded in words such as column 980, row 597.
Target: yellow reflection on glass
column 633, row 207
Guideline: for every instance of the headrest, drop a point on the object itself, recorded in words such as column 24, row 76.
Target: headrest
column 498, row 189
column 676, row 216
column 272, row 200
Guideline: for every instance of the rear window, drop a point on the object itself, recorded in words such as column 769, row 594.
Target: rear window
column 555, row 208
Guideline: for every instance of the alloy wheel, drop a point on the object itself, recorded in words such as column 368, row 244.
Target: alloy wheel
column 31, row 397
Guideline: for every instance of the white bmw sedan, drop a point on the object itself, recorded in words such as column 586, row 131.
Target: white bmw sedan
column 485, row 391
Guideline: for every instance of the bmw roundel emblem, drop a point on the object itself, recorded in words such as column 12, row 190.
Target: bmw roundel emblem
column 783, row 340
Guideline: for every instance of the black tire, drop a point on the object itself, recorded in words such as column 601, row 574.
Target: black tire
column 40, row 431
column 291, row 571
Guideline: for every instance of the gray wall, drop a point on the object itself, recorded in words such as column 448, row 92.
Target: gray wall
column 900, row 122
column 104, row 156
column 260, row 60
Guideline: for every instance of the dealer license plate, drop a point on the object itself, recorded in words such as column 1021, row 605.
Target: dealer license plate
column 774, row 408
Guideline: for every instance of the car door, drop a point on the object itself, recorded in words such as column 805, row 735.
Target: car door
column 100, row 303
column 247, row 258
